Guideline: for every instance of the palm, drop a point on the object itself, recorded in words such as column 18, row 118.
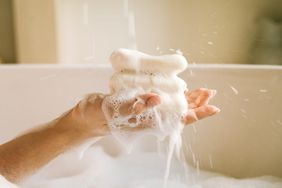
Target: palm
column 198, row 103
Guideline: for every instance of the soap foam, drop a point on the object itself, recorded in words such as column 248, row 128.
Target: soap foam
column 98, row 169
column 137, row 73
column 119, row 124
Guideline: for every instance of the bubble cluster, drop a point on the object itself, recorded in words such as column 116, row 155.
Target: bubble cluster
column 135, row 74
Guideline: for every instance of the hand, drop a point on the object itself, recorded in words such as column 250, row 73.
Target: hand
column 89, row 116
column 131, row 114
column 89, row 112
column 198, row 102
column 198, row 107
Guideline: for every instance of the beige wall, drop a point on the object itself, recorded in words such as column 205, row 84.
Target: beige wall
column 7, row 45
column 35, row 31
column 217, row 31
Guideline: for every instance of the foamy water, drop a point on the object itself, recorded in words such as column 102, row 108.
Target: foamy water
column 97, row 169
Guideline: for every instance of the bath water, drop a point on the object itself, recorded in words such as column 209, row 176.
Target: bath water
column 97, row 169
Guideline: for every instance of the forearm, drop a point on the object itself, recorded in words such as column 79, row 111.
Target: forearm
column 26, row 154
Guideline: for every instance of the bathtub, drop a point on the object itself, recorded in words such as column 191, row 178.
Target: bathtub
column 244, row 140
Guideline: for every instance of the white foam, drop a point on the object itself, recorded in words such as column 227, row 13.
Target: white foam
column 138, row 73
column 137, row 170
column 5, row 183
column 134, row 60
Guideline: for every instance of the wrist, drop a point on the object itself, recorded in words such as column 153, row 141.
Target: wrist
column 88, row 118
column 69, row 128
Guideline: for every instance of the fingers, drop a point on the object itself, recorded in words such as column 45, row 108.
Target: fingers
column 199, row 97
column 198, row 104
column 145, row 101
column 140, row 104
column 199, row 113
column 204, row 97
column 137, row 106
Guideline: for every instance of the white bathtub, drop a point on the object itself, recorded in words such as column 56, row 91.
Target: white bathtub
column 244, row 140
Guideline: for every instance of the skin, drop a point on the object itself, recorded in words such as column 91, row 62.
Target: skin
column 24, row 155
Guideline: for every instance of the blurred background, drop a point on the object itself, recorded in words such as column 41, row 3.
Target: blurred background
column 87, row 31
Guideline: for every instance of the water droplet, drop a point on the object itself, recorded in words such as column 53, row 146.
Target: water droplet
column 234, row 89
column 210, row 43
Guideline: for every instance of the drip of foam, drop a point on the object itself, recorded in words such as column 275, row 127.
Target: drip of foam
column 137, row 73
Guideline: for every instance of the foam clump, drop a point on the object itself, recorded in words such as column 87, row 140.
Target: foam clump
column 125, row 59
column 137, row 73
